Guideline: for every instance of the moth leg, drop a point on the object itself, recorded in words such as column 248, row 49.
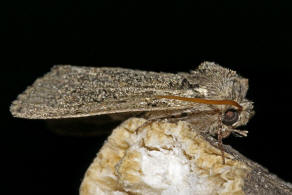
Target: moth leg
column 220, row 143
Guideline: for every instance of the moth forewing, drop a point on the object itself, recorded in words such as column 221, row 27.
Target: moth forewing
column 69, row 91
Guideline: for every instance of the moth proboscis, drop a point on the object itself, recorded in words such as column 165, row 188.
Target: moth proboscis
column 211, row 98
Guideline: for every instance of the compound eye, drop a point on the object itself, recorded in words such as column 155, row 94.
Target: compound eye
column 230, row 117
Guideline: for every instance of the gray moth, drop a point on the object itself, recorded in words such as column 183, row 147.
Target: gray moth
column 211, row 98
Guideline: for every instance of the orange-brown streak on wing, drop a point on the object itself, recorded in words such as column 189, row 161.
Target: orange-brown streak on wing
column 203, row 101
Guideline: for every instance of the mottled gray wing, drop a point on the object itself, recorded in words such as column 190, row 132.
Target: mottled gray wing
column 70, row 91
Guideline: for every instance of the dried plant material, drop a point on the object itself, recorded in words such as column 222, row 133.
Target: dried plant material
column 161, row 158
column 171, row 158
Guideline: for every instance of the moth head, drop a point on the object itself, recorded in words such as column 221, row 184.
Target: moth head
column 233, row 117
column 225, row 84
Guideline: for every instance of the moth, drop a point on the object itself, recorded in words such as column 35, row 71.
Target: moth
column 211, row 98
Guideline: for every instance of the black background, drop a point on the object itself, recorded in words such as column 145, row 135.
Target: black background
column 251, row 37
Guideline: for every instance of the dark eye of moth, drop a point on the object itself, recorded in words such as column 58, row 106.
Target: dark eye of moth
column 230, row 117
